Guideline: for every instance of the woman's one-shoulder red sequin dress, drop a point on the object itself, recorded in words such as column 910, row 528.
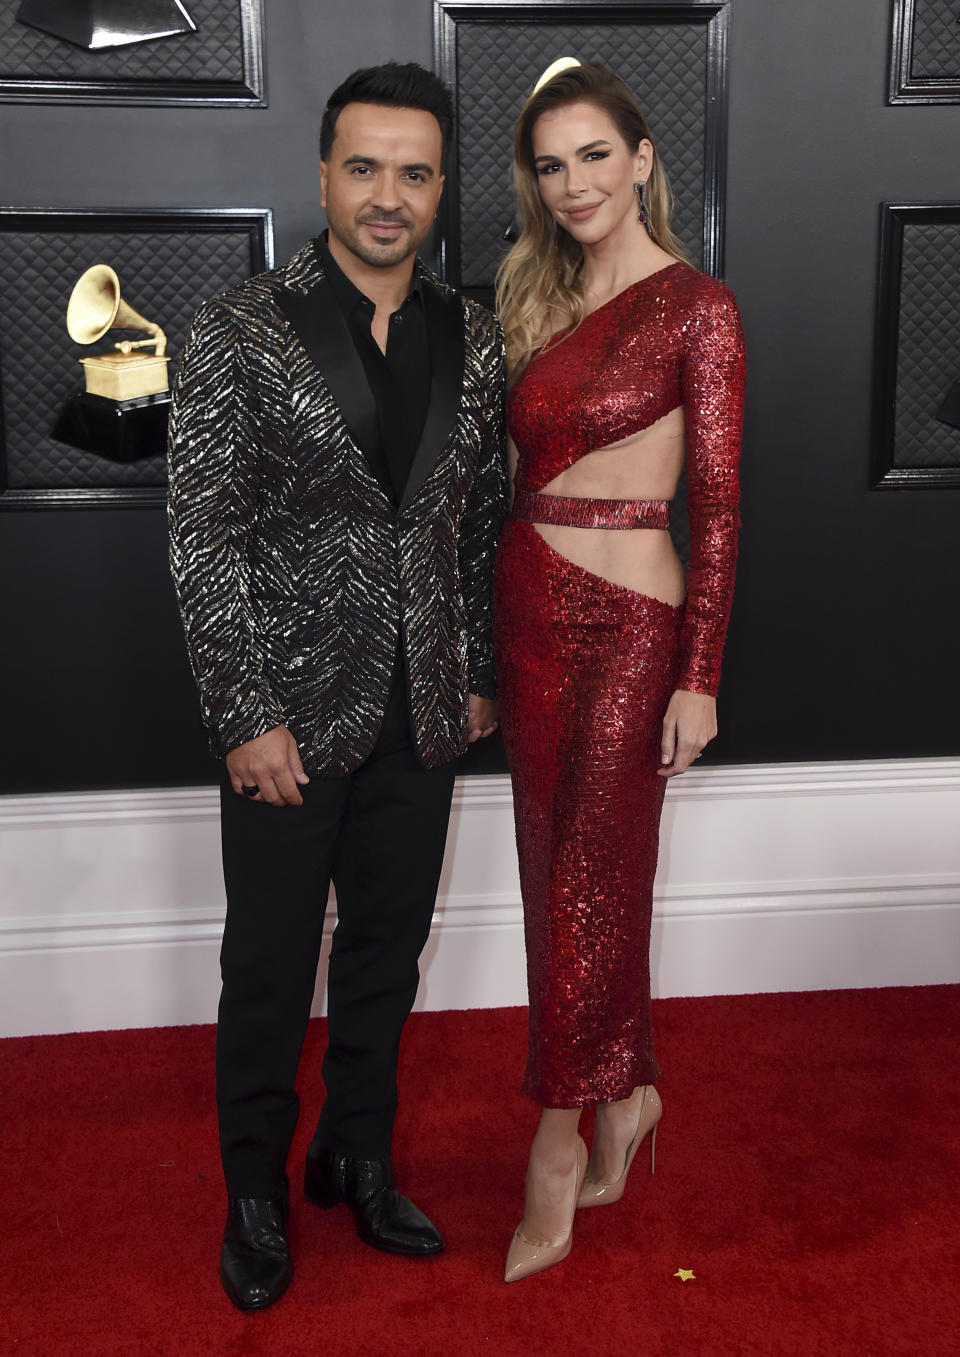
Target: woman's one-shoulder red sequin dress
column 586, row 667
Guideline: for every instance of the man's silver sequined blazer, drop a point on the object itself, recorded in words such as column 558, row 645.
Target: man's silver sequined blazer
column 296, row 571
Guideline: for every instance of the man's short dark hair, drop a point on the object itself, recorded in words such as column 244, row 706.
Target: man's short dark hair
column 394, row 86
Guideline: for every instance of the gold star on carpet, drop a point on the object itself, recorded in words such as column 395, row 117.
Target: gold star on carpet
column 685, row 1274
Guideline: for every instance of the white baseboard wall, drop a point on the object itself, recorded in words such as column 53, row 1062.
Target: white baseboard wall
column 772, row 877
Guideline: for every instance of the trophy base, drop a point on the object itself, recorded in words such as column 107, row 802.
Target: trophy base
column 120, row 431
column 125, row 376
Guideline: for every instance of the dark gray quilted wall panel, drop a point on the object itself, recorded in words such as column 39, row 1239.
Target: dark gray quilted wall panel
column 928, row 350
column 935, row 54
column 498, row 63
column 214, row 52
column 163, row 274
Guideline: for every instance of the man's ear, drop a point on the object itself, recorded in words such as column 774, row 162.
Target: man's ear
column 323, row 183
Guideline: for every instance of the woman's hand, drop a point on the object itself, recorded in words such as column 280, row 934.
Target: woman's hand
column 688, row 727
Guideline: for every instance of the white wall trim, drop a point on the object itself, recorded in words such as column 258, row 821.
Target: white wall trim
column 59, row 932
column 785, row 876
column 160, row 805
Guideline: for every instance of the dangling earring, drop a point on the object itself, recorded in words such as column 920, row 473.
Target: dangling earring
column 640, row 189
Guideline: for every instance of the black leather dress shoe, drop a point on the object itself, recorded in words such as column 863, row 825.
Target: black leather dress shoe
column 255, row 1265
column 384, row 1218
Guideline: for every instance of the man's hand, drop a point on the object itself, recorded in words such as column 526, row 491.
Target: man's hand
column 482, row 715
column 689, row 726
column 271, row 763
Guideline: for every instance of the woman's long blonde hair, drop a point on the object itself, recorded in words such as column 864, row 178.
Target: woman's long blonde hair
column 538, row 283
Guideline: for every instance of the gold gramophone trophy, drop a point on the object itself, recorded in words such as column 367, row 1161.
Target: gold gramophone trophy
column 122, row 413
column 95, row 306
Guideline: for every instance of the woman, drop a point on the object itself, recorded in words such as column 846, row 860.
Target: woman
column 626, row 365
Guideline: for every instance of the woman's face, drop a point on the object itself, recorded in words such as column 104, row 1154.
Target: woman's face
column 586, row 171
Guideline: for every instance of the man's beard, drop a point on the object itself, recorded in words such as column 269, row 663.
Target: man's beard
column 379, row 254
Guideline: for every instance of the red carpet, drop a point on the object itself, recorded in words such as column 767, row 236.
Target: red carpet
column 807, row 1172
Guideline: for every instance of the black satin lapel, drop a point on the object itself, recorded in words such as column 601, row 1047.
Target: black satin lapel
column 445, row 330
column 322, row 330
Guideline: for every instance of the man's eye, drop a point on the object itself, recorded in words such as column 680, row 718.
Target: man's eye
column 416, row 177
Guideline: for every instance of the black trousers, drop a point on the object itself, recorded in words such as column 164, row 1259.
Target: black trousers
column 379, row 834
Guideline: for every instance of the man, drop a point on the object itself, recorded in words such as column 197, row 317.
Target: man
column 337, row 484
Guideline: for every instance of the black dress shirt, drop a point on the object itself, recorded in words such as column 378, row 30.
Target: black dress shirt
column 399, row 379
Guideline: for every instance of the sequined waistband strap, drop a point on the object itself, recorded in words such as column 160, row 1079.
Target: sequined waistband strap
column 570, row 512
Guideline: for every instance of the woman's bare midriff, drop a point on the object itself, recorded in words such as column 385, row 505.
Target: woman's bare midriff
column 645, row 466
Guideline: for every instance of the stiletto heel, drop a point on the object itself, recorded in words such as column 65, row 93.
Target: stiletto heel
column 527, row 1256
column 597, row 1192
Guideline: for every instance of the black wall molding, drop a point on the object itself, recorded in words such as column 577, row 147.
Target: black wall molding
column 925, row 52
column 219, row 65
column 168, row 261
column 491, row 55
column 917, row 355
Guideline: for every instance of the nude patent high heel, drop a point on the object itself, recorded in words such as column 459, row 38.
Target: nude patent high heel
column 596, row 1192
column 527, row 1256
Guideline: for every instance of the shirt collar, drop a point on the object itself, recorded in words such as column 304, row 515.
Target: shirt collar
column 348, row 295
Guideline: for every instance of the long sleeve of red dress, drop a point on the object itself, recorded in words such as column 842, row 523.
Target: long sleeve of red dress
column 712, row 375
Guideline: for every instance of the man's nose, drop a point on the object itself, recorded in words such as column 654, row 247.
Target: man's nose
column 387, row 192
